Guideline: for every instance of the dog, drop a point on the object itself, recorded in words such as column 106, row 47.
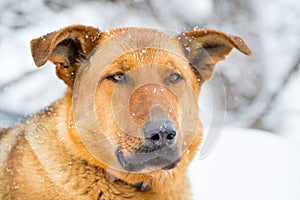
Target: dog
column 127, row 126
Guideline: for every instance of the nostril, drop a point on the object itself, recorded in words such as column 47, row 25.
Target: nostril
column 171, row 135
column 155, row 137
column 159, row 133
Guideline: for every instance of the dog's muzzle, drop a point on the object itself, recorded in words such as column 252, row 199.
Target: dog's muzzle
column 160, row 148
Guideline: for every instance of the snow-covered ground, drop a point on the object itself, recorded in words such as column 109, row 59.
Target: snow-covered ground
column 246, row 163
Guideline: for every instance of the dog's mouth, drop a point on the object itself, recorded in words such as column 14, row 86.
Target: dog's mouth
column 164, row 158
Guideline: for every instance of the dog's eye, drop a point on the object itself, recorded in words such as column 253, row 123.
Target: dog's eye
column 174, row 78
column 117, row 78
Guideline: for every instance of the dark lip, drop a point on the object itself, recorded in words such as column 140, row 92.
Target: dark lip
column 141, row 161
column 172, row 165
column 124, row 163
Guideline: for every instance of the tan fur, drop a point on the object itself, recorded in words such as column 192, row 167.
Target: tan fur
column 45, row 158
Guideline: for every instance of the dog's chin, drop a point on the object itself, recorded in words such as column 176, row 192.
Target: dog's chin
column 148, row 162
column 172, row 165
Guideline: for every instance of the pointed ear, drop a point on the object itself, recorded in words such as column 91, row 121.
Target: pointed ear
column 66, row 48
column 204, row 48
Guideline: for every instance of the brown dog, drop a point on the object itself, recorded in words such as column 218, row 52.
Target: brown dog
column 127, row 127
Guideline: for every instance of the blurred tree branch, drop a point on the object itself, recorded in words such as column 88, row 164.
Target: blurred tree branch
column 154, row 12
column 269, row 105
column 12, row 115
column 14, row 81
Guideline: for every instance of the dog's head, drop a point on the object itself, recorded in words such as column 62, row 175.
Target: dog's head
column 135, row 94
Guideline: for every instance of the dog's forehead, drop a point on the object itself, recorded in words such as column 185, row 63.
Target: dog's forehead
column 147, row 35
column 127, row 48
column 137, row 38
column 163, row 60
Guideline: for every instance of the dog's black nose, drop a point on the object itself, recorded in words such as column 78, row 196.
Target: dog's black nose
column 159, row 133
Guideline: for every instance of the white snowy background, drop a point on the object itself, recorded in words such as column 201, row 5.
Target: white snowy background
column 258, row 155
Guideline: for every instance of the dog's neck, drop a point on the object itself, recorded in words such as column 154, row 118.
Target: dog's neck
column 142, row 186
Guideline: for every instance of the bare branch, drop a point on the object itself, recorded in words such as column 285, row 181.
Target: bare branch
column 11, row 115
column 258, row 121
column 14, row 81
column 154, row 12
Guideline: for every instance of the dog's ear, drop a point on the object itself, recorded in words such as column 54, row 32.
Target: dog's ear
column 66, row 48
column 204, row 48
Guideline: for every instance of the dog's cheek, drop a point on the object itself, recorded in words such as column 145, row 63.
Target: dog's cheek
column 103, row 109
